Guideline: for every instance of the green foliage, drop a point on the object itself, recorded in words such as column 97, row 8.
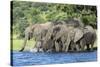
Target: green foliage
column 26, row 13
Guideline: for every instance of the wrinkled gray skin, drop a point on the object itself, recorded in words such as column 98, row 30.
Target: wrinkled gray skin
column 36, row 30
column 67, row 36
column 60, row 38
column 28, row 35
column 68, row 32
column 48, row 42
column 88, row 38
column 60, row 35
column 53, row 41
column 83, row 38
column 75, row 35
column 56, row 37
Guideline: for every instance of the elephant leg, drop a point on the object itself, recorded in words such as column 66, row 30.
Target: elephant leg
column 57, row 46
column 63, row 48
column 91, row 47
column 72, row 46
column 39, row 45
column 66, row 50
column 67, row 44
column 77, row 47
column 88, row 47
column 82, row 44
column 67, row 47
column 61, row 45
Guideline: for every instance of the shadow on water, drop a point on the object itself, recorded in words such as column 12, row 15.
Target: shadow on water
column 29, row 58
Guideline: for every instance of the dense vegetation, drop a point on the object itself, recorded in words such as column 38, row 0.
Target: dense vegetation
column 26, row 13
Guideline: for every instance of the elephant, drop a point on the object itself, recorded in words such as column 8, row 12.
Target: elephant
column 48, row 42
column 64, row 35
column 48, row 46
column 57, row 38
column 36, row 30
column 28, row 35
column 75, row 35
column 67, row 36
column 88, row 39
column 83, row 37
column 60, row 35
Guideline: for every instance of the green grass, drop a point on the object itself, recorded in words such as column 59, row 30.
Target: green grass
column 17, row 43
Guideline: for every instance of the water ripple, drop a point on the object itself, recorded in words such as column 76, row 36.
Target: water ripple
column 28, row 58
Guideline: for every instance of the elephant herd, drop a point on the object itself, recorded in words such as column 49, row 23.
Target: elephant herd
column 61, row 36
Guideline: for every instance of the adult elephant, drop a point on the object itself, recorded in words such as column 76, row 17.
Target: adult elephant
column 74, row 36
column 66, row 36
column 48, row 41
column 58, row 38
column 88, row 39
column 36, row 30
column 61, row 34
column 82, row 38
column 65, row 33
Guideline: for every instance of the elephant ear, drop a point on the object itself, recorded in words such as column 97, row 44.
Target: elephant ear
column 78, row 35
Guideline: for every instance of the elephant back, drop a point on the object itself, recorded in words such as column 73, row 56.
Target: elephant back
column 89, row 29
column 74, row 23
column 90, row 34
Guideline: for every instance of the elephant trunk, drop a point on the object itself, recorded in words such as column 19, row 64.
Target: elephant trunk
column 24, row 44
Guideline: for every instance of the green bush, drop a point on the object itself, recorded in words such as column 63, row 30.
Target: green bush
column 26, row 13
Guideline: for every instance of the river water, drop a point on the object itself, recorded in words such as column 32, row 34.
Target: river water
column 29, row 58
